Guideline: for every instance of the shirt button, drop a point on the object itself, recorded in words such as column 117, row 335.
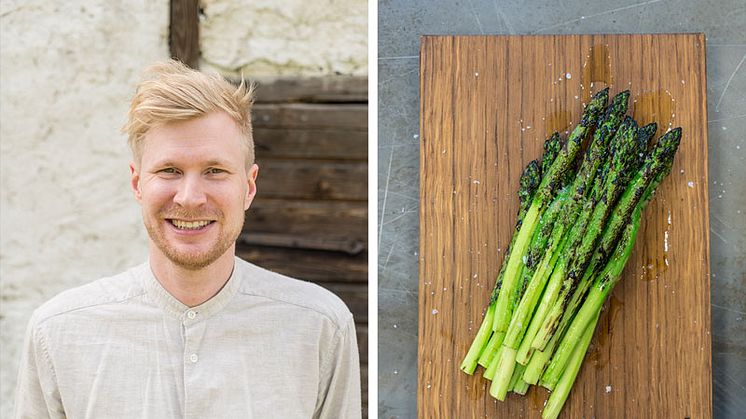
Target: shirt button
column 193, row 358
column 191, row 314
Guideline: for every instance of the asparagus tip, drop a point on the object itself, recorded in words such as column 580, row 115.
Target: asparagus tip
column 621, row 97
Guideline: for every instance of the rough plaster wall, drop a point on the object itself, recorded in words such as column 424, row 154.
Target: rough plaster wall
column 67, row 73
column 267, row 38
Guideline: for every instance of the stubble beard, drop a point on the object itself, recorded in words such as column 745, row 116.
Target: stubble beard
column 195, row 260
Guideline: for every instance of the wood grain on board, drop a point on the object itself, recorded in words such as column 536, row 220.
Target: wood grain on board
column 487, row 104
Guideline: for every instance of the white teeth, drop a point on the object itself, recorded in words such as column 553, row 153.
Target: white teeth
column 189, row 225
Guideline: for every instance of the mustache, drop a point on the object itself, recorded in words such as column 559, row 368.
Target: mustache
column 182, row 213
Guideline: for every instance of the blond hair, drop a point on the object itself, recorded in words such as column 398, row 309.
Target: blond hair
column 170, row 91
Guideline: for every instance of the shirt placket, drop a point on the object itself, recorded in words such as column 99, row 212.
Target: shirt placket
column 193, row 332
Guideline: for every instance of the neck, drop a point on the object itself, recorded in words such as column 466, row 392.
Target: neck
column 191, row 287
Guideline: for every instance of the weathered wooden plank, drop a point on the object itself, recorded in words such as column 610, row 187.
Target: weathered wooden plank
column 330, row 143
column 313, row 179
column 332, row 89
column 332, row 220
column 487, row 104
column 342, row 244
column 311, row 116
column 183, row 37
column 354, row 295
column 310, row 265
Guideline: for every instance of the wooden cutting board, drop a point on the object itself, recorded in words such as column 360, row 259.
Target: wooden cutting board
column 487, row 104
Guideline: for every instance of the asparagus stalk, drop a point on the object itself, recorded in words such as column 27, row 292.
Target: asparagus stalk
column 528, row 184
column 541, row 200
column 520, row 386
column 517, row 374
column 627, row 158
column 509, row 354
column 489, row 351
column 538, row 241
column 469, row 364
column 552, row 146
column 588, row 314
column 530, row 298
column 557, row 399
column 657, row 165
column 529, row 181
column 543, row 238
column 489, row 372
column 537, row 362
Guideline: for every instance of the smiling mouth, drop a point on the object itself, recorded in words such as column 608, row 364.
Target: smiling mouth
column 190, row 225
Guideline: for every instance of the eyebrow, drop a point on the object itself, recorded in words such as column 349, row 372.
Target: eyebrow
column 213, row 162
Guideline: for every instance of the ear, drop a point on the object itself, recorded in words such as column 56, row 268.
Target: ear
column 251, row 190
column 135, row 182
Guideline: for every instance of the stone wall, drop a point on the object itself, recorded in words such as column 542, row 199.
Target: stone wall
column 66, row 76
column 299, row 38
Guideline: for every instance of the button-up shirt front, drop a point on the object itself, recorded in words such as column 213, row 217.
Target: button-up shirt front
column 264, row 346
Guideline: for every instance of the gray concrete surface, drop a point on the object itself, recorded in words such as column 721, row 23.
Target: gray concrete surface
column 401, row 22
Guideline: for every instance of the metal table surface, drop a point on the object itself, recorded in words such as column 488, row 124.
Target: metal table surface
column 400, row 24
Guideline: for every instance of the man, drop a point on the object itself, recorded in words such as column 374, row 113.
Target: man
column 195, row 332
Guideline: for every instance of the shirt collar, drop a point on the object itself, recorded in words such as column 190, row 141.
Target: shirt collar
column 180, row 310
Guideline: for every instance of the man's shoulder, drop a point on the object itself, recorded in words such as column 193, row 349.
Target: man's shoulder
column 108, row 290
column 303, row 295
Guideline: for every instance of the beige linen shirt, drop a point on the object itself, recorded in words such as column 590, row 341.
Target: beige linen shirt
column 266, row 346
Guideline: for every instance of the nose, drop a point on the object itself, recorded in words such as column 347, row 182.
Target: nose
column 190, row 192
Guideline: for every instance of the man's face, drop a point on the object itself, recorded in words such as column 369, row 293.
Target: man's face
column 193, row 186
